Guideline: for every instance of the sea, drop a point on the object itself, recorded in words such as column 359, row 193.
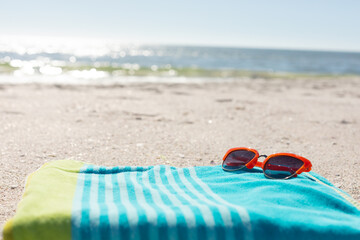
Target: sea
column 76, row 61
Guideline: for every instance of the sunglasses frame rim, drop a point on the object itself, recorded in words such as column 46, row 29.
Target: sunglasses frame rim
column 306, row 167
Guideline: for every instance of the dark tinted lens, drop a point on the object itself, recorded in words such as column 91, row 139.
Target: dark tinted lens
column 237, row 159
column 282, row 166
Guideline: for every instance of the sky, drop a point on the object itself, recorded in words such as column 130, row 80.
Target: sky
column 305, row 24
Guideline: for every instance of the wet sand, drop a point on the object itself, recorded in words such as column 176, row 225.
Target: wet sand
column 179, row 125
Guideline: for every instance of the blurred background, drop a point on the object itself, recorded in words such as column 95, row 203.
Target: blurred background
column 121, row 41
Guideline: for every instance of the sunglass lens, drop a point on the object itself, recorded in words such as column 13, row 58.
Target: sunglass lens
column 237, row 159
column 281, row 167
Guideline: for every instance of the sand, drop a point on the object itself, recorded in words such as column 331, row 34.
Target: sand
column 178, row 124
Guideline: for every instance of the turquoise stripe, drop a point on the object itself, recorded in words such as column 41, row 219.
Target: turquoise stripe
column 139, row 231
column 124, row 225
column 85, row 214
column 204, row 215
column 167, row 219
column 77, row 206
column 94, row 205
column 196, row 193
column 103, row 218
column 223, row 216
column 186, row 217
column 112, row 210
column 198, row 230
column 170, row 200
column 143, row 201
column 147, row 205
column 238, row 214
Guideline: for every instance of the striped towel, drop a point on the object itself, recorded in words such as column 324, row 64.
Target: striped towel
column 72, row 200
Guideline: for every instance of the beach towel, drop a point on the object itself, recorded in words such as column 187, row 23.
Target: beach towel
column 73, row 200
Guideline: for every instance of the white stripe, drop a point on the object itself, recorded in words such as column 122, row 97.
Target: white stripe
column 205, row 210
column 224, row 211
column 113, row 211
column 245, row 218
column 131, row 212
column 94, row 206
column 76, row 209
column 187, row 212
column 168, row 211
column 150, row 212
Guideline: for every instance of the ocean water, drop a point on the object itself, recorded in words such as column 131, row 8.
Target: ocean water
column 26, row 61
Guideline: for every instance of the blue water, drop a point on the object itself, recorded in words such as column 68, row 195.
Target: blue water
column 268, row 60
column 250, row 59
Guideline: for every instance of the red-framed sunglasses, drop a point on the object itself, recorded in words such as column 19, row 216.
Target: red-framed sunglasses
column 277, row 166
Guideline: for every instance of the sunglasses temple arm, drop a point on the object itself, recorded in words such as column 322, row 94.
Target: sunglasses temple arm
column 304, row 169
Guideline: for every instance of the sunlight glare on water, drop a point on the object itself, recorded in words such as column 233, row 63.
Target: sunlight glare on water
column 96, row 59
column 88, row 74
column 49, row 70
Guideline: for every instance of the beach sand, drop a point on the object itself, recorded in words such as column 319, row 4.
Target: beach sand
column 180, row 125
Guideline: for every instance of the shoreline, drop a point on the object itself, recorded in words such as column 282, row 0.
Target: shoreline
column 79, row 72
column 288, row 79
column 178, row 124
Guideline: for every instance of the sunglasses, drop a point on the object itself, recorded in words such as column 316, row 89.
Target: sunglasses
column 277, row 166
